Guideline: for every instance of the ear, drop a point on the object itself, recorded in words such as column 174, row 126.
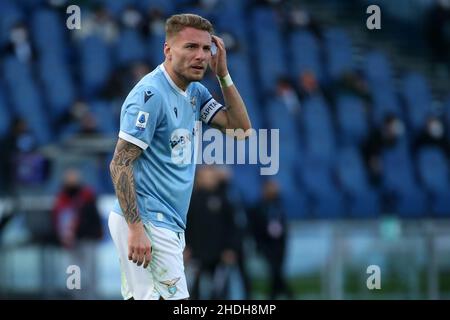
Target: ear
column 167, row 52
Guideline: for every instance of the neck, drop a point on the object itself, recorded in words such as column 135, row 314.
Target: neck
column 179, row 81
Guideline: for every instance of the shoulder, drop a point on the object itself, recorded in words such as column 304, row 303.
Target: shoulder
column 199, row 89
column 150, row 86
column 146, row 94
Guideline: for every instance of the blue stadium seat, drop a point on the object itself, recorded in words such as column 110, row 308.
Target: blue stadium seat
column 305, row 54
column 31, row 4
column 278, row 117
column 318, row 130
column 326, row 200
column 385, row 102
column 433, row 169
column 166, row 6
column 106, row 122
column 399, row 182
column 417, row 96
column 377, row 69
column 363, row 200
column 155, row 49
column 26, row 99
column 271, row 62
column 351, row 119
column 10, row 15
column 247, row 181
column 233, row 10
column 130, row 47
column 58, row 86
column 434, row 173
column 239, row 68
column 115, row 7
column 338, row 51
column 50, row 43
column 15, row 71
column 292, row 196
column 96, row 64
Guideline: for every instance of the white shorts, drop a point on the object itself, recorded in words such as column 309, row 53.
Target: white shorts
column 164, row 277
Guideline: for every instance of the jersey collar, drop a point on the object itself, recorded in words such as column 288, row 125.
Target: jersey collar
column 172, row 84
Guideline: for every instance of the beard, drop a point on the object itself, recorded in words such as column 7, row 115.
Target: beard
column 191, row 74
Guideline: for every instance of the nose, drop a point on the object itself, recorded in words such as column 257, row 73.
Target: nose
column 201, row 55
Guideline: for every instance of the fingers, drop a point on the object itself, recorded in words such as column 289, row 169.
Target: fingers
column 140, row 256
column 218, row 42
column 130, row 253
column 147, row 257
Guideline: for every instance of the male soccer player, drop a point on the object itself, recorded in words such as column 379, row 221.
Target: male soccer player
column 157, row 129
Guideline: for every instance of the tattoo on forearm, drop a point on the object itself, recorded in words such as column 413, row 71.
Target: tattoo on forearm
column 121, row 169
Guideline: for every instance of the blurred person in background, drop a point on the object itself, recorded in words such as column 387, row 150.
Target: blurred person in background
column 100, row 23
column 213, row 237
column 21, row 163
column 131, row 18
column 308, row 86
column 19, row 44
column 10, row 146
column 155, row 23
column 269, row 225
column 123, row 79
column 78, row 226
column 80, row 118
column 379, row 140
column 434, row 134
column 288, row 96
column 352, row 83
column 295, row 17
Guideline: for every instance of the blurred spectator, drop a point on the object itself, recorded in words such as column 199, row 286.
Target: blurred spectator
column 352, row 83
column 434, row 135
column 21, row 164
column 438, row 32
column 131, row 18
column 208, row 5
column 297, row 17
column 288, row 96
column 99, row 23
column 78, row 226
column 268, row 221
column 308, row 85
column 213, row 238
column 19, row 44
column 123, row 79
column 80, row 116
column 379, row 140
column 231, row 42
column 156, row 23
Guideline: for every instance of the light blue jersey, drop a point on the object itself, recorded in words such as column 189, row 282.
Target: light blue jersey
column 161, row 119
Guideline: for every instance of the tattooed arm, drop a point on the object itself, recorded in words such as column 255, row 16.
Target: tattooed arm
column 121, row 168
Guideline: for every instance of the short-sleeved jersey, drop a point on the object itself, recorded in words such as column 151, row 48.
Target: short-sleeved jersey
column 162, row 119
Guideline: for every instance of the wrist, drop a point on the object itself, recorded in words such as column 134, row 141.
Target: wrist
column 225, row 81
column 136, row 226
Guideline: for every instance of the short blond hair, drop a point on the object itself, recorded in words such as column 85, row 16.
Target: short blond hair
column 178, row 22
